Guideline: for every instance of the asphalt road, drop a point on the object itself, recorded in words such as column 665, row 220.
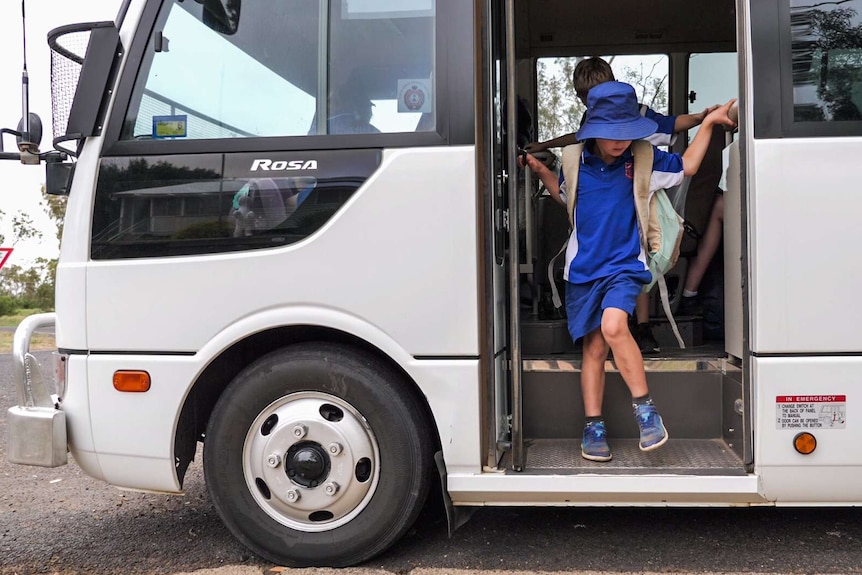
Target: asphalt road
column 60, row 521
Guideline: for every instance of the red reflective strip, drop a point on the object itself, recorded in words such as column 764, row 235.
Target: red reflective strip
column 810, row 398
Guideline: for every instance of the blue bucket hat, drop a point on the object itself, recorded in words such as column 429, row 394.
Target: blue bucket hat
column 613, row 114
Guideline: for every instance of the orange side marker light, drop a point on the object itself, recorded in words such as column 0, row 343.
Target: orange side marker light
column 131, row 381
column 804, row 443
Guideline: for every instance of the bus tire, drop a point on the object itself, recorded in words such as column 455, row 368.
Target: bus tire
column 318, row 455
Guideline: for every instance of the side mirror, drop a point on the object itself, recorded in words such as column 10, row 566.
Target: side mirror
column 58, row 178
column 222, row 15
column 28, row 141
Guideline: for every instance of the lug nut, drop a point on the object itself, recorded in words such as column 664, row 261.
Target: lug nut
column 300, row 430
column 335, row 448
column 292, row 496
column 274, row 460
column 330, row 488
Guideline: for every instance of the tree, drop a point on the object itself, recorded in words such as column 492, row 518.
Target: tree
column 559, row 110
column 32, row 286
column 650, row 85
column 56, row 208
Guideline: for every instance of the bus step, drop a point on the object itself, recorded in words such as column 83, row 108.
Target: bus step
column 677, row 456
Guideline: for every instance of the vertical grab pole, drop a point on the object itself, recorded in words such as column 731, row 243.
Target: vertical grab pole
column 530, row 221
column 514, row 243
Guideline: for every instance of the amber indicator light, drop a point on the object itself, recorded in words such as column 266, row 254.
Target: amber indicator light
column 132, row 381
column 804, row 443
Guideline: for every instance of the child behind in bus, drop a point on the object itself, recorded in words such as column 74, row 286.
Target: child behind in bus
column 605, row 264
column 591, row 72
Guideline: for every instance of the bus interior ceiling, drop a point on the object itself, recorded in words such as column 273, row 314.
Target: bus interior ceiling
column 699, row 388
column 574, row 28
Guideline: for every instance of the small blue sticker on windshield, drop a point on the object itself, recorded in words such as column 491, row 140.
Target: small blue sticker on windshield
column 170, row 126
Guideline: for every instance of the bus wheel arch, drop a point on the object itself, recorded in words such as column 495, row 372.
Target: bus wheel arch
column 276, row 473
column 222, row 369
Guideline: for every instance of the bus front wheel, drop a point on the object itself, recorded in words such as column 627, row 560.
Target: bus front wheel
column 317, row 454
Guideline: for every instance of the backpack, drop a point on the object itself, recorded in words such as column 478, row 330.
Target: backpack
column 660, row 227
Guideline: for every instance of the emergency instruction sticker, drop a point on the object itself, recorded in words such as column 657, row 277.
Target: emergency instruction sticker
column 810, row 411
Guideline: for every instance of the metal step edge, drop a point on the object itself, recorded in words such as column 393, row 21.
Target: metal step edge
column 679, row 365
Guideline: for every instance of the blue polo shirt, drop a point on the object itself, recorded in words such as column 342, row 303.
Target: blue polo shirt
column 605, row 239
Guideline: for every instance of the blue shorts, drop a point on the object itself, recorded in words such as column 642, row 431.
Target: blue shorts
column 586, row 302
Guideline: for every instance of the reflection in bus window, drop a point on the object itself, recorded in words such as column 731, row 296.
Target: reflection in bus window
column 827, row 60
column 162, row 206
column 373, row 60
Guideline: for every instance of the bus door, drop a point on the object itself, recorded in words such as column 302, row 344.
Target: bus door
column 512, row 116
column 494, row 161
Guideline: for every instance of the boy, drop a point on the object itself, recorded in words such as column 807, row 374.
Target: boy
column 605, row 265
column 591, row 72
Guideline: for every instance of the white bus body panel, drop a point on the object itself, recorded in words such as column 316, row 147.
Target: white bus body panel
column 343, row 277
column 829, row 474
column 806, row 281
column 411, row 272
column 134, row 432
column 71, row 280
column 71, row 328
column 79, row 421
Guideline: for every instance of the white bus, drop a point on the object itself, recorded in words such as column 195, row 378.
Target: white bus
column 349, row 313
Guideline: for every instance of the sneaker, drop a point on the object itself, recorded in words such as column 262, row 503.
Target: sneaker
column 645, row 339
column 690, row 306
column 595, row 445
column 653, row 433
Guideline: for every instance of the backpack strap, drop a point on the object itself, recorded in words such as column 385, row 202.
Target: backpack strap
column 555, row 293
column 643, row 160
column 571, row 167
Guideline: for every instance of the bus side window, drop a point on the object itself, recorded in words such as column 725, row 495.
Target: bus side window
column 826, row 60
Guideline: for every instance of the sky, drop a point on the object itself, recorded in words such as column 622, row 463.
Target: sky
column 20, row 185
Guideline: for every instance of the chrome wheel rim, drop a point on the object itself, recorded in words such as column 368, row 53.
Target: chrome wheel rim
column 311, row 461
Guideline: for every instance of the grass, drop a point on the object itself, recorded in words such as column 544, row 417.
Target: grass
column 39, row 342
column 14, row 319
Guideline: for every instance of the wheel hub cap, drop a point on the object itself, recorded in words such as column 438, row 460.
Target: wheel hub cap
column 307, row 464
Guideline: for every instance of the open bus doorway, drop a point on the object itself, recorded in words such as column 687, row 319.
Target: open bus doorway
column 701, row 386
